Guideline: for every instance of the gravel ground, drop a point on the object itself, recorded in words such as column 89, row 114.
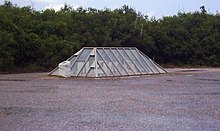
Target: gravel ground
column 185, row 99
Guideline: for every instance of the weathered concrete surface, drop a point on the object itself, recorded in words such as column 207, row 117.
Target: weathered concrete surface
column 186, row 99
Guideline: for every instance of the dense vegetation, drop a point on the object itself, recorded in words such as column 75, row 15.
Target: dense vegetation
column 37, row 40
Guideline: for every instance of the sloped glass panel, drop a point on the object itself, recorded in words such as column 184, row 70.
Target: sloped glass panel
column 140, row 58
column 87, row 66
column 160, row 70
column 148, row 61
column 76, row 67
column 135, row 61
column 72, row 59
column 85, row 53
column 116, row 62
column 91, row 73
column 109, row 63
column 100, row 71
column 128, row 61
column 102, row 64
column 123, row 62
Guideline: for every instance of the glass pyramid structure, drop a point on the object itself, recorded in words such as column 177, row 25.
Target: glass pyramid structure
column 107, row 62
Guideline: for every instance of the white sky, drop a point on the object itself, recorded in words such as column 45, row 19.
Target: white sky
column 157, row 8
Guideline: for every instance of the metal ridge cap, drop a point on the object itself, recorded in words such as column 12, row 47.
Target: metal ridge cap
column 107, row 47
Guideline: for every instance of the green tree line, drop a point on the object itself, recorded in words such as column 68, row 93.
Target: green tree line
column 39, row 40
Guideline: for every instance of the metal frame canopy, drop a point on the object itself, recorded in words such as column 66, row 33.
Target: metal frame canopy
column 107, row 62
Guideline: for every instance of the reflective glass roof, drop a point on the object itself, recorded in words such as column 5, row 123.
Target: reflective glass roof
column 107, row 61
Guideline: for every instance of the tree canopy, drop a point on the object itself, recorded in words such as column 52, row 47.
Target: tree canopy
column 39, row 40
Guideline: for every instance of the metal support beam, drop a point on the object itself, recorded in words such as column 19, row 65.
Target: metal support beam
column 138, row 60
column 83, row 65
column 105, row 63
column 150, row 62
column 131, row 60
column 125, row 60
column 119, row 62
column 71, row 67
column 96, row 70
column 112, row 62
column 144, row 61
column 101, row 68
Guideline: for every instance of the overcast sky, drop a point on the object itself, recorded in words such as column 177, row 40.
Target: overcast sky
column 157, row 8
